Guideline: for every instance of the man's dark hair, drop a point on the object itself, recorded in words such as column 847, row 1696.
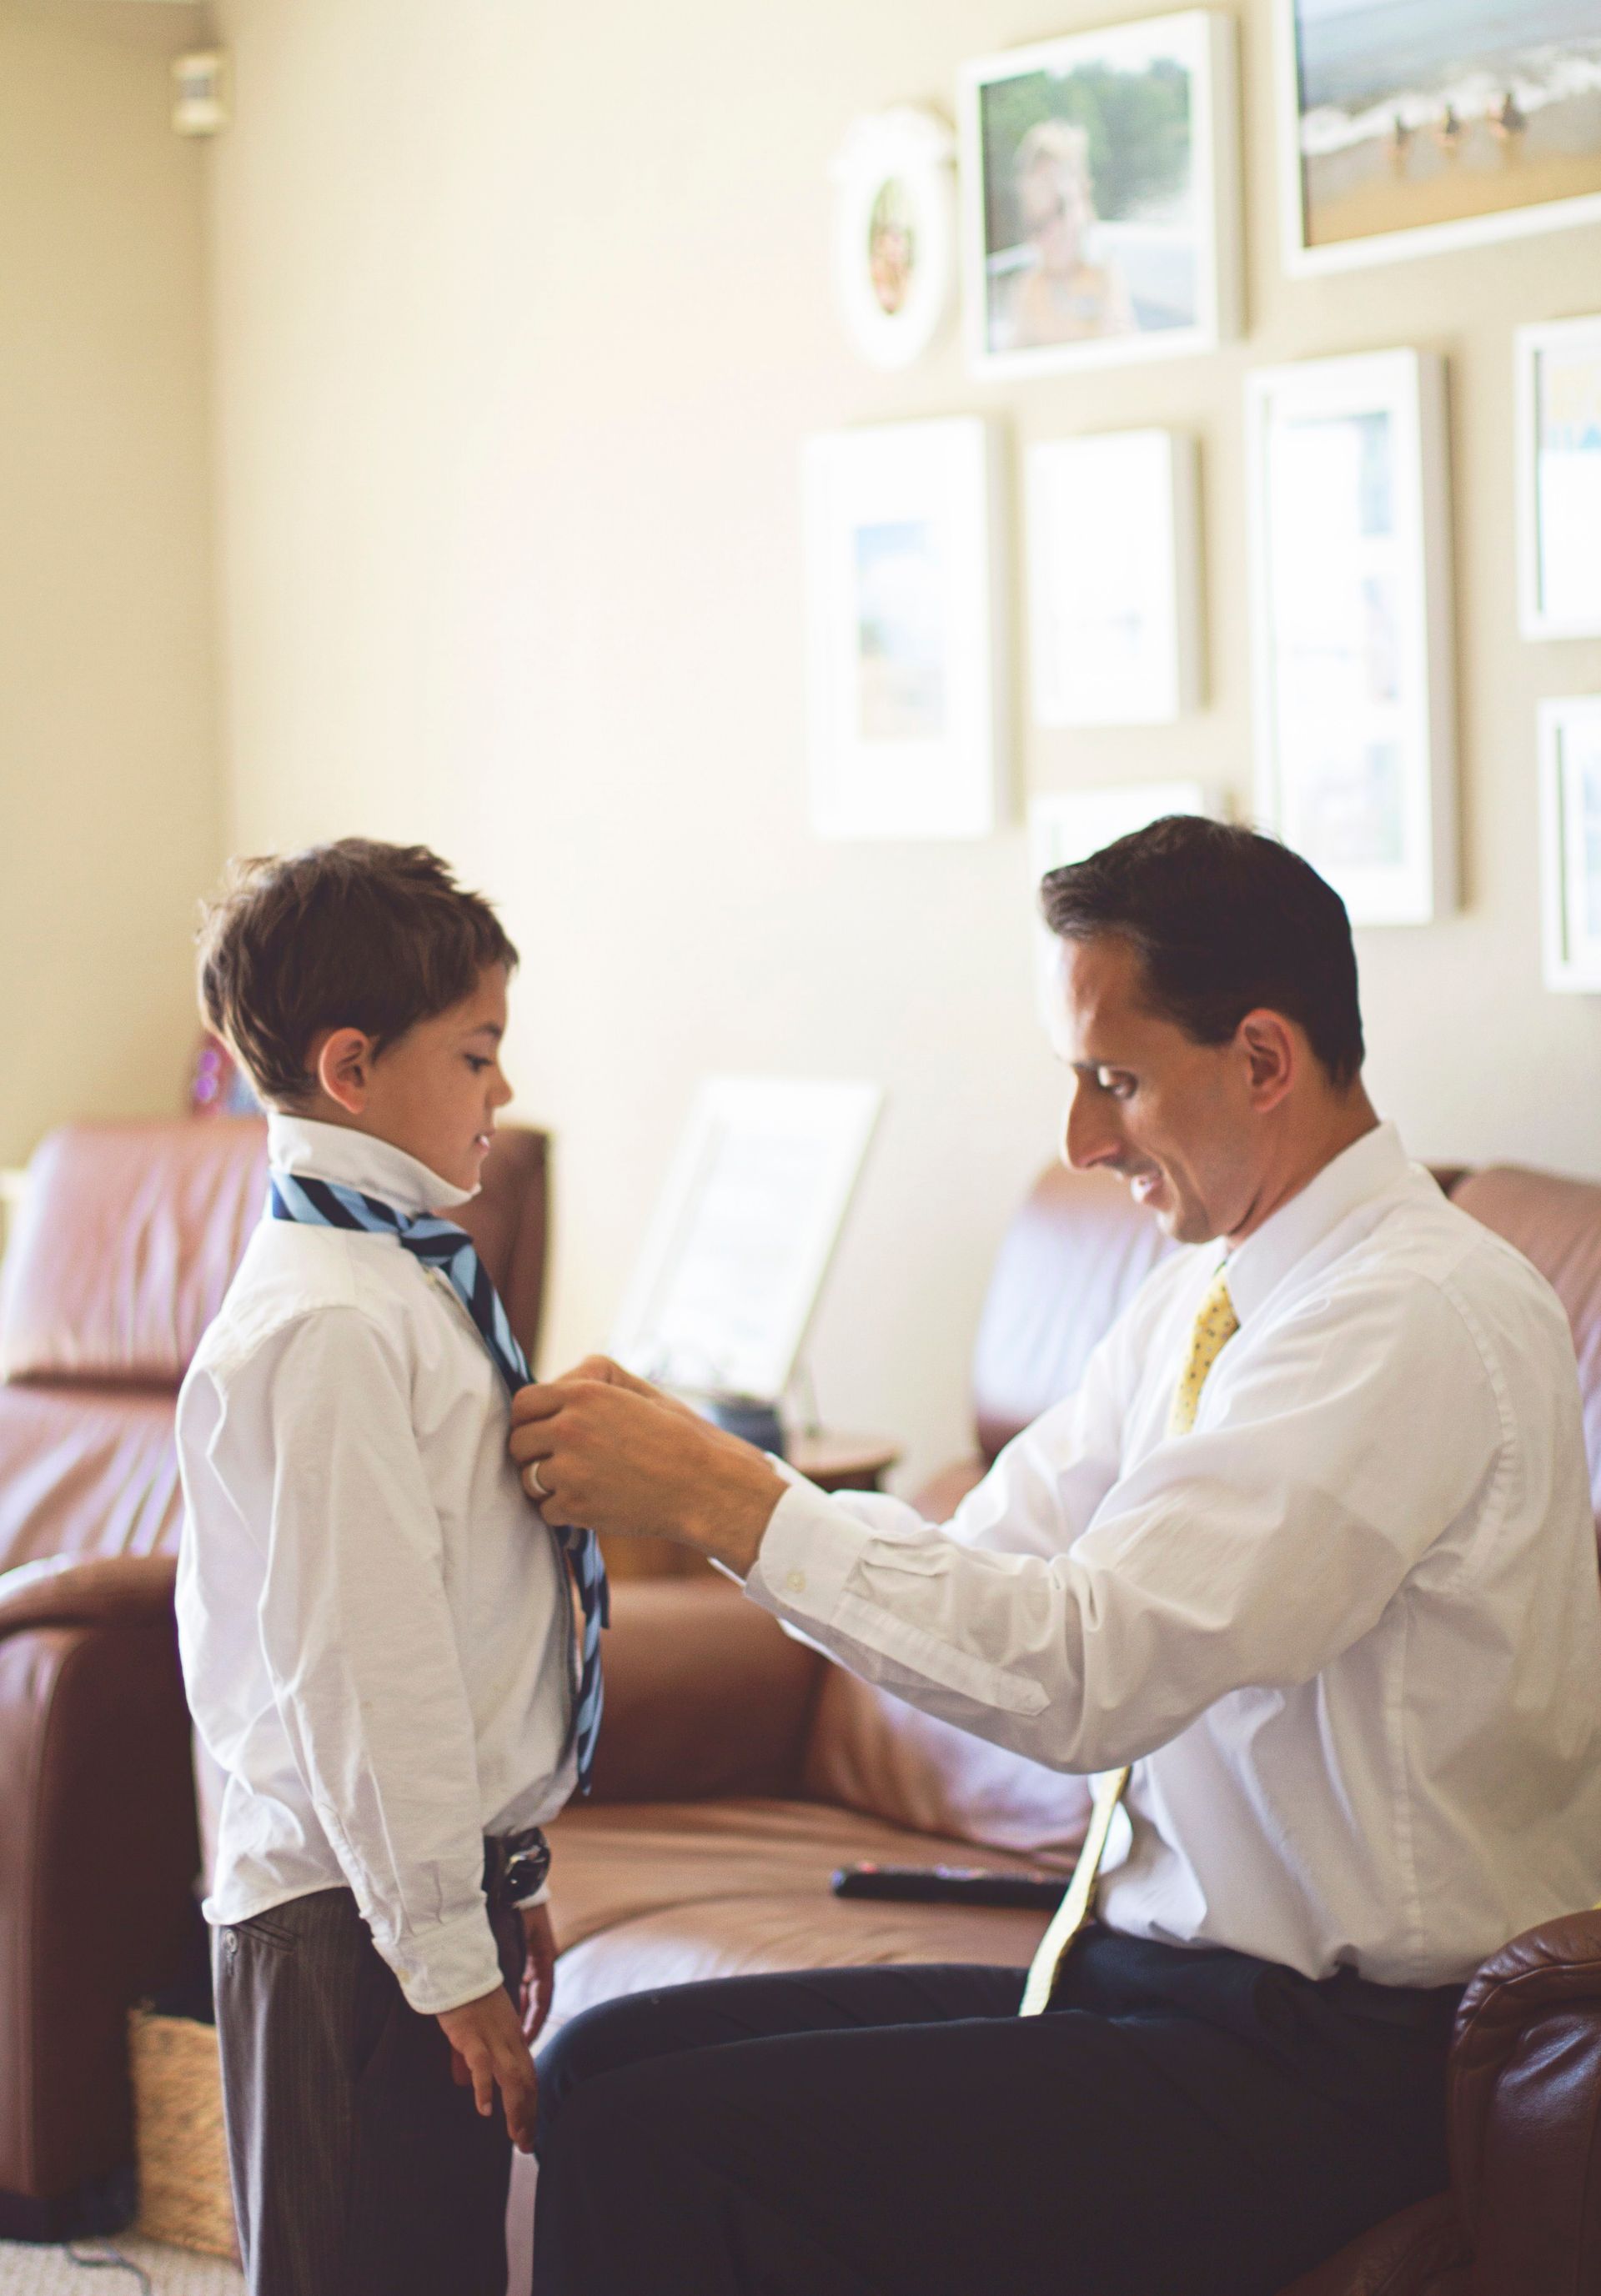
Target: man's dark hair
column 354, row 935
column 1225, row 921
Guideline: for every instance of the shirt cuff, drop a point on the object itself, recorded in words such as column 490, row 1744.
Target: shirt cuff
column 808, row 1551
column 439, row 1969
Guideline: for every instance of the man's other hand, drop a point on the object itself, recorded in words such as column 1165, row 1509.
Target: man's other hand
column 538, row 1971
column 606, row 1452
column 487, row 2053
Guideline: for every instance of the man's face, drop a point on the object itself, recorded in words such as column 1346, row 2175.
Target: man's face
column 435, row 1091
column 1174, row 1117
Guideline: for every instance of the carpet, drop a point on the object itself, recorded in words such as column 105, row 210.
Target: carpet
column 26, row 2270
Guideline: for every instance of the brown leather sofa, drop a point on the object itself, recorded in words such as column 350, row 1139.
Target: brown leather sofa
column 129, row 1236
column 737, row 1768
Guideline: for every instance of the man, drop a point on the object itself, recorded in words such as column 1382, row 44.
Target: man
column 1312, row 1549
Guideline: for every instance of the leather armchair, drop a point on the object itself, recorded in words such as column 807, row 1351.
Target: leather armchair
column 129, row 1236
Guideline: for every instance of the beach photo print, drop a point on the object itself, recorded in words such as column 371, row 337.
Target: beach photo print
column 1408, row 125
column 1100, row 193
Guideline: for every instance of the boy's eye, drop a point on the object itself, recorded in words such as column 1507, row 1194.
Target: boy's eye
column 477, row 1064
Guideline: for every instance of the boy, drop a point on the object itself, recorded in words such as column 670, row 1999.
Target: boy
column 377, row 1629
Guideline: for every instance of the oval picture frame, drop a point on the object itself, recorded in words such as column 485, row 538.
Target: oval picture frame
column 894, row 244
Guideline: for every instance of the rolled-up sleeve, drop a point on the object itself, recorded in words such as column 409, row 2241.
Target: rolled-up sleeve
column 1251, row 1552
column 360, row 1649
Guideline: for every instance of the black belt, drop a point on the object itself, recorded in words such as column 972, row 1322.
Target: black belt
column 515, row 1865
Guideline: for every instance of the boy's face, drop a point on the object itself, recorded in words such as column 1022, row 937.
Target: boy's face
column 434, row 1092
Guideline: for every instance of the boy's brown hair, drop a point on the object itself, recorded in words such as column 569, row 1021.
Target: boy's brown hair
column 352, row 935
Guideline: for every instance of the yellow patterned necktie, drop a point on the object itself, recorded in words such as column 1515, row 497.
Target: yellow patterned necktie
column 1216, row 1324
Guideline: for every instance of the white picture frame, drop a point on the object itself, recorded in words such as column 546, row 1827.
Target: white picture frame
column 1068, row 825
column 736, row 1257
column 1351, row 627
column 895, row 233
column 1569, row 812
column 905, row 590
column 1558, row 388
column 1429, row 138
column 1080, row 246
column 1114, row 578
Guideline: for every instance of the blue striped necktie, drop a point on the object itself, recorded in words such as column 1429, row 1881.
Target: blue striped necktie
column 440, row 1244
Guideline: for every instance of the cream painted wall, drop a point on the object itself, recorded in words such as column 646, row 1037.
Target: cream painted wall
column 109, row 812
column 521, row 315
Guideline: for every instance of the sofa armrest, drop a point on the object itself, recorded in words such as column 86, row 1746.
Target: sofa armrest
column 104, row 1590
column 1419, row 2253
column 705, row 1694
column 1524, row 2104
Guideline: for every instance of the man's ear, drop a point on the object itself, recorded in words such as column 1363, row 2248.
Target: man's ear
column 342, row 1064
column 1273, row 1056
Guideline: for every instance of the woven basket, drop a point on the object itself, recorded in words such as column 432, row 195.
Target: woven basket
column 183, row 2194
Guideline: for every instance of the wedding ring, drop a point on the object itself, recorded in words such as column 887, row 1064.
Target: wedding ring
column 535, row 1484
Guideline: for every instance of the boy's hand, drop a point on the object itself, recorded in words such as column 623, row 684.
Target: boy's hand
column 538, row 1971
column 488, row 2052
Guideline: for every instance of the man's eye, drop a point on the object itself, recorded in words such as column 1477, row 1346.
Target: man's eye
column 1115, row 1083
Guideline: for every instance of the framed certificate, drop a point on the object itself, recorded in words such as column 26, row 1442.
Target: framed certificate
column 737, row 1255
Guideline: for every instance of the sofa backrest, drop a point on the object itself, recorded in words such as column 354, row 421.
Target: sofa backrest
column 1557, row 1224
column 129, row 1236
column 1075, row 1253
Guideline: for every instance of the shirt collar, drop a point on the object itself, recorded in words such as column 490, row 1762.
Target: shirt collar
column 358, row 1159
column 1364, row 1170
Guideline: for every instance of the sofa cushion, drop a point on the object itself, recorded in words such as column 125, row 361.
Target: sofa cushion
column 871, row 1752
column 665, row 1893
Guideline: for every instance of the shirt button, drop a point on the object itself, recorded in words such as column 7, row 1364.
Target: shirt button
column 795, row 1581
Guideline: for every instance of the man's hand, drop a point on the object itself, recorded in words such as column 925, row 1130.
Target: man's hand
column 612, row 1453
column 538, row 1971
column 488, row 2052
column 612, row 1374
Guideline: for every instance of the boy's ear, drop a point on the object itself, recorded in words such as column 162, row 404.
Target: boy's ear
column 342, row 1064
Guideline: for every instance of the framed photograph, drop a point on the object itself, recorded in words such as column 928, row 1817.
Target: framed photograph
column 1114, row 579
column 1350, row 566
column 1101, row 196
column 1427, row 124
column 1067, row 825
column 1559, row 480
column 895, row 233
column 904, row 571
column 1570, row 795
column 737, row 1252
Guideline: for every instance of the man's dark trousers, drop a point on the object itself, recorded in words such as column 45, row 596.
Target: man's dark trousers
column 1178, row 2123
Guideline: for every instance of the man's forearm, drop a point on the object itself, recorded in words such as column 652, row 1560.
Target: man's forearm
column 728, row 1520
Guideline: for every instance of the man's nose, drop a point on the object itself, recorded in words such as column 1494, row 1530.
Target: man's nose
column 1091, row 1133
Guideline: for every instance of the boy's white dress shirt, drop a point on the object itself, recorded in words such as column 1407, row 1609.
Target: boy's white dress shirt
column 375, row 1627
column 1349, row 1628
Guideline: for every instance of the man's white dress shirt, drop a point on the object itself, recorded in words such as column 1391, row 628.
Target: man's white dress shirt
column 375, row 1627
column 1348, row 1630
